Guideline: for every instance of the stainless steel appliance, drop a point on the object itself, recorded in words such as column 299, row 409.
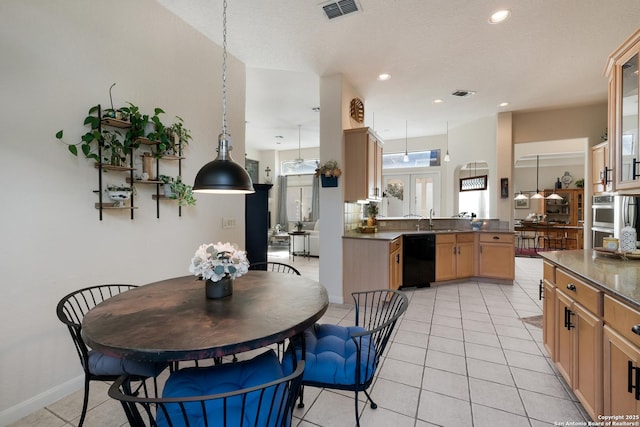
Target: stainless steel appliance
column 627, row 214
column 603, row 219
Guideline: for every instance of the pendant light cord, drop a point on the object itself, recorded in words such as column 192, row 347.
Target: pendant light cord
column 224, row 68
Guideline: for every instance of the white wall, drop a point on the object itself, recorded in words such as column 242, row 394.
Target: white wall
column 58, row 59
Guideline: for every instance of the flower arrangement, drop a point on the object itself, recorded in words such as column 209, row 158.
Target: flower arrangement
column 215, row 261
column 329, row 169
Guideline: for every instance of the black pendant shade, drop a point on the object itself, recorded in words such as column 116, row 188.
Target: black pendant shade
column 223, row 175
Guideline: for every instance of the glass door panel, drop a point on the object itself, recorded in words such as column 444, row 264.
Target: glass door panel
column 410, row 194
column 395, row 201
column 629, row 152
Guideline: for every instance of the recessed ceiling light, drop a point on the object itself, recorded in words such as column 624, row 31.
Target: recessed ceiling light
column 503, row 104
column 437, row 101
column 384, row 76
column 499, row 16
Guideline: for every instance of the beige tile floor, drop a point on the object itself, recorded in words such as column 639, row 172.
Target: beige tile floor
column 460, row 357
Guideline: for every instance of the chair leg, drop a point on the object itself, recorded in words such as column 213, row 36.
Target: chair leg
column 85, row 401
column 301, row 397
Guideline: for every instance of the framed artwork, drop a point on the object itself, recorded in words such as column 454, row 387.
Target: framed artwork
column 504, row 188
column 522, row 204
column 252, row 167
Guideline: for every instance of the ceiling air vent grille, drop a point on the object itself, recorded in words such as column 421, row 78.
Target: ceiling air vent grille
column 340, row 8
column 463, row 93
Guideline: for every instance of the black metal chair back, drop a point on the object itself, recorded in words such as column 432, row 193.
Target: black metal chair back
column 277, row 267
column 274, row 407
column 71, row 310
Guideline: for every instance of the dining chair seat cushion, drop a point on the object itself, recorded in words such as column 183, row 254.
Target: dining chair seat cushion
column 101, row 364
column 223, row 378
column 331, row 355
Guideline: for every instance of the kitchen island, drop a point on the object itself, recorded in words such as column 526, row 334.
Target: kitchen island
column 591, row 328
column 375, row 260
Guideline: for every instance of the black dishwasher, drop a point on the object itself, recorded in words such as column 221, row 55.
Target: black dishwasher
column 418, row 259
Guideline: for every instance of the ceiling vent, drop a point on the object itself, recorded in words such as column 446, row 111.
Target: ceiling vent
column 339, row 8
column 463, row 93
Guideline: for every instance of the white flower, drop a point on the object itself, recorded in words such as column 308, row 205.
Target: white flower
column 214, row 261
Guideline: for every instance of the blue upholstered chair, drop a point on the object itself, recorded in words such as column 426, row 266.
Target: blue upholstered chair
column 97, row 366
column 346, row 358
column 250, row 393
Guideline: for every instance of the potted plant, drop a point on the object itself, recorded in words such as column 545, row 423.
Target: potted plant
column 114, row 148
column 119, row 193
column 299, row 226
column 219, row 264
column 329, row 173
column 179, row 137
column 182, row 192
column 372, row 211
column 166, row 182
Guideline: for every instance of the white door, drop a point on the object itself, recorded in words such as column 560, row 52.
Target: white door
column 410, row 194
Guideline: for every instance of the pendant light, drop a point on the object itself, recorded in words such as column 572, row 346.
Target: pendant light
column 223, row 175
column 446, row 156
column 521, row 197
column 405, row 159
column 537, row 195
column 299, row 160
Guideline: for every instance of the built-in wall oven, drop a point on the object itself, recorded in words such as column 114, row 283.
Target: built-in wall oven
column 603, row 219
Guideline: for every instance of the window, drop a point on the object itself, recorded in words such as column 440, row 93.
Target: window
column 417, row 159
column 294, row 167
column 299, row 193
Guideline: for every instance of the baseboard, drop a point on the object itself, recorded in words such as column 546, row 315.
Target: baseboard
column 39, row 401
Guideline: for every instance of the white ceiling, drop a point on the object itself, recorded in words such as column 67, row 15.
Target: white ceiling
column 550, row 53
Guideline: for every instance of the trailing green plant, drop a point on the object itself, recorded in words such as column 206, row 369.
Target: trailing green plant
column 178, row 134
column 182, row 192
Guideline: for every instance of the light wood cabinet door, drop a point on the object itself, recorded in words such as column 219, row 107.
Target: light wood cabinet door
column 497, row 256
column 395, row 264
column 621, row 363
column 578, row 349
column 549, row 318
column 465, row 255
column 587, row 360
column 563, row 334
column 600, row 170
column 363, row 155
column 445, row 257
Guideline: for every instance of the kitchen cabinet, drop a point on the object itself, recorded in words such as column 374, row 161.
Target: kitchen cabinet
column 548, row 307
column 496, row 255
column 623, row 117
column 363, row 165
column 621, row 358
column 455, row 255
column 395, row 263
column 578, row 339
column 601, row 178
column 370, row 264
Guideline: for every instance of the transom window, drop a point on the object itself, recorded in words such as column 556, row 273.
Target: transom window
column 417, row 159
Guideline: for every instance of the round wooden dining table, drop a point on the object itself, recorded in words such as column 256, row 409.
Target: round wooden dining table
column 172, row 320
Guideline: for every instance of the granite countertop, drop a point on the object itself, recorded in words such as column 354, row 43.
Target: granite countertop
column 616, row 276
column 391, row 235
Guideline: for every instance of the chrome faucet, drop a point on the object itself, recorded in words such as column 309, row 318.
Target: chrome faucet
column 418, row 223
column 431, row 212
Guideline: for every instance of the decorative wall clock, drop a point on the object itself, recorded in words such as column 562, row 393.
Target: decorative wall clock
column 357, row 110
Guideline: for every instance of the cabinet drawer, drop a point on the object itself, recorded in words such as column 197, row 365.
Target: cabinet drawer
column 496, row 238
column 445, row 238
column 465, row 237
column 549, row 272
column 622, row 318
column 395, row 244
column 587, row 296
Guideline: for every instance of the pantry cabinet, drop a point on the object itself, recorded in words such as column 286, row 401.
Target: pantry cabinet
column 363, row 165
column 624, row 117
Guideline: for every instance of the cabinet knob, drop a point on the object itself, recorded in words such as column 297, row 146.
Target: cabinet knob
column 571, row 287
column 636, row 329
